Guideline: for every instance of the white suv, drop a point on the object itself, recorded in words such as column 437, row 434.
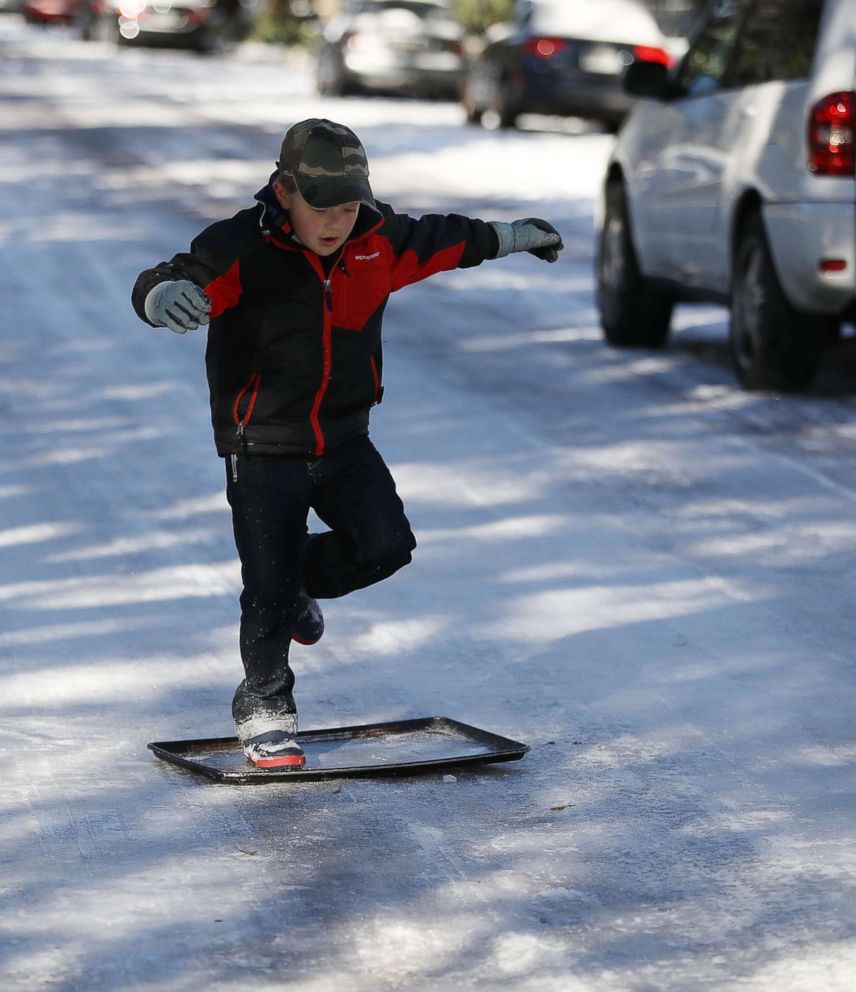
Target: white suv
column 733, row 180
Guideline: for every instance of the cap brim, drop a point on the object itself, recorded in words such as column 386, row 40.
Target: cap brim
column 322, row 192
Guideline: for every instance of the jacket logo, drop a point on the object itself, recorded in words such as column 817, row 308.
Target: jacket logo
column 367, row 258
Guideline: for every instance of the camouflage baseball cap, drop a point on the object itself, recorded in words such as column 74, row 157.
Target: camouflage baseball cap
column 327, row 162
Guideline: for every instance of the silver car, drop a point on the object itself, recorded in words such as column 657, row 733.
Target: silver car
column 398, row 46
column 733, row 181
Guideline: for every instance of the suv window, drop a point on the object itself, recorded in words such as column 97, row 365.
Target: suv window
column 704, row 65
column 777, row 41
column 414, row 6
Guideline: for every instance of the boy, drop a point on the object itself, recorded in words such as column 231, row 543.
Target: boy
column 295, row 288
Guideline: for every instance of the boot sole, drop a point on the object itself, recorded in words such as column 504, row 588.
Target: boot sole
column 291, row 761
column 305, row 641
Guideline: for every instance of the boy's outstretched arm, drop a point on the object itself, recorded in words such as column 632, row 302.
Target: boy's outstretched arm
column 531, row 234
column 435, row 243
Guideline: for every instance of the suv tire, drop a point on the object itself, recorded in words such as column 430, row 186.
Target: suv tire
column 633, row 313
column 503, row 109
column 773, row 345
column 330, row 74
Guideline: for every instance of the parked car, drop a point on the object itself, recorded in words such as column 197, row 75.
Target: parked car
column 51, row 11
column 203, row 25
column 562, row 58
column 733, row 181
column 402, row 46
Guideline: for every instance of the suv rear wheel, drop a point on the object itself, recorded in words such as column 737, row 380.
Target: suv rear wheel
column 330, row 74
column 773, row 345
column 633, row 313
column 503, row 109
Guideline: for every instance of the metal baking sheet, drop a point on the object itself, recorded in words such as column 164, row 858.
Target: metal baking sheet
column 403, row 747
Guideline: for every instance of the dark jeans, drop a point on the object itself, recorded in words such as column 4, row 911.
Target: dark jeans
column 352, row 492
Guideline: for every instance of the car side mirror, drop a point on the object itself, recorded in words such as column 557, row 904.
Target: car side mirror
column 649, row 80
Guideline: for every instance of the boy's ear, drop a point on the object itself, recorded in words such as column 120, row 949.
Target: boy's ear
column 282, row 195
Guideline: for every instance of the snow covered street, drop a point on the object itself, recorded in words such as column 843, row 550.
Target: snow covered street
column 624, row 561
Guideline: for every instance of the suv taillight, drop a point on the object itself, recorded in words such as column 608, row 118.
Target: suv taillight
column 831, row 135
column 544, row 48
column 646, row 53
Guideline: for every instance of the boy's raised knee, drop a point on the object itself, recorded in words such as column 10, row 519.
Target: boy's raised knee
column 396, row 552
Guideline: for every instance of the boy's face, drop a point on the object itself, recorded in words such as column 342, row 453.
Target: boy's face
column 322, row 231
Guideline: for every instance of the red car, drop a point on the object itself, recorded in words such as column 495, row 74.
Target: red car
column 52, row 11
column 204, row 25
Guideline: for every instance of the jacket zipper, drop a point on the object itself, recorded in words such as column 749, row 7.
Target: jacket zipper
column 326, row 349
column 376, row 379
column 326, row 367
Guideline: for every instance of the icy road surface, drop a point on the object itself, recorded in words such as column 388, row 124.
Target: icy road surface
column 624, row 561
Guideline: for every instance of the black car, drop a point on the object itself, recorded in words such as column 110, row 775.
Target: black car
column 562, row 58
column 392, row 46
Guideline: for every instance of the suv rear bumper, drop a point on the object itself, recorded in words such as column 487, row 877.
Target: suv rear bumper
column 801, row 236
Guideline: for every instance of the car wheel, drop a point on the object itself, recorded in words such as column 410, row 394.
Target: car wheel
column 633, row 313
column 207, row 40
column 329, row 76
column 773, row 345
column 507, row 106
column 502, row 110
column 472, row 112
column 105, row 27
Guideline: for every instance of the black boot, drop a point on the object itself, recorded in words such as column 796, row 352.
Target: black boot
column 309, row 623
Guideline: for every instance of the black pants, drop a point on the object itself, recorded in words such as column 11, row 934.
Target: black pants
column 352, row 492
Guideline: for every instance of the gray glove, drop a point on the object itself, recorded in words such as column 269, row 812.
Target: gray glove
column 536, row 236
column 179, row 305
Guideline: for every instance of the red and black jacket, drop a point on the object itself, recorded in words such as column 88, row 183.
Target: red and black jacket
column 294, row 355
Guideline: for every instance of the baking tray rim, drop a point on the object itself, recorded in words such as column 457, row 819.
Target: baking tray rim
column 501, row 749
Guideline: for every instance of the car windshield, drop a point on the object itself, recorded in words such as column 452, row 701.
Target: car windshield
column 424, row 10
column 595, row 19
